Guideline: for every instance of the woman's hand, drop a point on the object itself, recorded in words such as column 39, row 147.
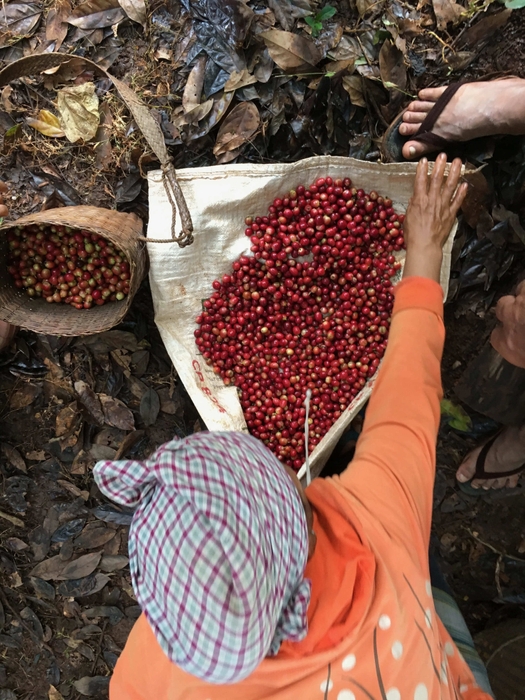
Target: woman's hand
column 430, row 216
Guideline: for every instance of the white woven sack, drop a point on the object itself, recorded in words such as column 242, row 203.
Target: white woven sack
column 219, row 199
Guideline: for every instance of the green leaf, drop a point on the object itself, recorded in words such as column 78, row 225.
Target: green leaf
column 327, row 12
column 329, row 74
column 515, row 4
column 12, row 130
column 457, row 418
column 361, row 61
column 381, row 35
column 314, row 25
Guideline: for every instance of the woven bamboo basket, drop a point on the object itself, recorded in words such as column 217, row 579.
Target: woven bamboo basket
column 123, row 230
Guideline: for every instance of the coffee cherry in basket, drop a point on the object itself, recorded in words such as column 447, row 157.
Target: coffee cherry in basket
column 65, row 265
column 310, row 309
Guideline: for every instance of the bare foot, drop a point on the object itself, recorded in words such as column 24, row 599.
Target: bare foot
column 476, row 109
column 507, row 452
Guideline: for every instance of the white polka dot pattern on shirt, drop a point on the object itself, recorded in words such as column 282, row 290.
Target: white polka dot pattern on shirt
column 345, row 695
column 449, row 649
column 348, row 662
column 397, row 650
column 393, row 694
column 326, row 686
column 428, row 588
column 428, row 617
column 384, row 622
column 421, row 692
column 463, row 688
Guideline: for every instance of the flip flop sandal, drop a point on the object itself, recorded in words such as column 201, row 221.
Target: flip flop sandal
column 393, row 141
column 480, row 473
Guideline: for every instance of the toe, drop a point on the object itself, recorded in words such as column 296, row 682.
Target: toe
column 414, row 149
column 414, row 117
column 423, row 106
column 467, row 468
column 431, row 94
column 406, row 129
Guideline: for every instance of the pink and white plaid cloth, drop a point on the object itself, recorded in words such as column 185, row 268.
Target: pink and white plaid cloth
column 218, row 546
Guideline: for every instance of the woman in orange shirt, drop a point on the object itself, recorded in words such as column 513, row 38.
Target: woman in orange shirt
column 253, row 589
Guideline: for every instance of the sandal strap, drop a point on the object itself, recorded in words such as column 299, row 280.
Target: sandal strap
column 434, row 114
column 480, row 472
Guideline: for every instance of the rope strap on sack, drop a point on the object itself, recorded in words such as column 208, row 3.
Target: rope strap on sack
column 145, row 122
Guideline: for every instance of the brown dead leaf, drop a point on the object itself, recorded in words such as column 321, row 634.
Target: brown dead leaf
column 150, row 407
column 116, row 413
column 56, row 25
column 289, row 50
column 364, row 6
column 73, row 489
column 6, row 102
column 90, row 401
column 103, row 150
column 193, row 110
column 13, row 456
column 135, row 10
column 478, row 199
column 35, row 455
column 47, row 124
column 94, row 535
column 447, row 11
column 49, row 569
column 96, row 14
column 239, row 79
column 54, row 694
column 392, row 66
column 24, row 396
column 79, row 113
column 128, row 442
column 353, row 84
column 113, row 562
column 12, row 519
column 238, row 127
column 484, row 28
column 67, row 419
column 83, row 566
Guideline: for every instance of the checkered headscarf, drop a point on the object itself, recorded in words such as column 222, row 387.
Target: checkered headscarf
column 218, row 547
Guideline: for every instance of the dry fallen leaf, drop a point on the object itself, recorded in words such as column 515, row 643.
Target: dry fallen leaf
column 17, row 20
column 447, row 11
column 78, row 109
column 192, row 109
column 7, row 91
column 35, row 455
column 24, row 396
column 11, row 518
column 13, row 456
column 47, row 123
column 53, row 694
column 49, row 569
column 67, row 419
column 150, row 407
column 90, row 400
column 96, row 14
column 116, row 413
column 238, row 127
column 135, row 10
column 56, row 25
column 94, row 535
column 353, row 84
column 113, row 562
column 239, row 79
column 289, row 50
column 83, row 566
column 103, row 150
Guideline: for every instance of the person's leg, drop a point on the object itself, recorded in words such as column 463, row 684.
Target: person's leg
column 496, row 388
column 476, row 109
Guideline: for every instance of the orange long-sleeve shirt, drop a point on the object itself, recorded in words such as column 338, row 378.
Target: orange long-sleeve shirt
column 373, row 630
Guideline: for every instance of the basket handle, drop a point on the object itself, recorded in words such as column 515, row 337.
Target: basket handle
column 141, row 114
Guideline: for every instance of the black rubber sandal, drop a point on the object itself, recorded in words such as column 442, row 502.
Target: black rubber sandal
column 481, row 473
column 393, row 141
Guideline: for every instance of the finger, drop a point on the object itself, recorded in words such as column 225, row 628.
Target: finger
column 458, row 199
column 452, row 180
column 436, row 179
column 421, row 181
